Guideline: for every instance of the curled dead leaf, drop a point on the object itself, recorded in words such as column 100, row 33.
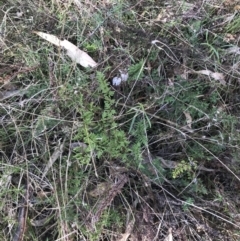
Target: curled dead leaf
column 215, row 75
column 188, row 119
column 100, row 189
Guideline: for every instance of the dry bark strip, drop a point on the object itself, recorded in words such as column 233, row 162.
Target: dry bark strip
column 105, row 202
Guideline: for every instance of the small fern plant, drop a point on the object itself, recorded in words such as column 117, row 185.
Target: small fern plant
column 99, row 129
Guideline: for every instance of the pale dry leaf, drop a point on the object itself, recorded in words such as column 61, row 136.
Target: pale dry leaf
column 230, row 18
column 188, row 119
column 167, row 163
column 169, row 237
column 73, row 51
column 233, row 50
column 116, row 81
column 78, row 3
column 77, row 144
column 49, row 37
column 78, row 55
column 40, row 222
column 204, row 72
column 163, row 16
column 128, row 231
column 219, row 77
column 100, row 189
column 42, row 195
column 237, row 8
column 170, row 82
column 215, row 75
column 5, row 179
column 19, row 14
column 229, row 38
column 124, row 76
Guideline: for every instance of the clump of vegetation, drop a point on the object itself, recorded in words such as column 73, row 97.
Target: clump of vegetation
column 155, row 157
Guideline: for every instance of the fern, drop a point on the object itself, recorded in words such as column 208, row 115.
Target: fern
column 136, row 71
column 183, row 168
column 101, row 134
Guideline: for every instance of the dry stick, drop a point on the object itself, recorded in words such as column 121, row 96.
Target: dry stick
column 19, row 233
column 22, row 218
